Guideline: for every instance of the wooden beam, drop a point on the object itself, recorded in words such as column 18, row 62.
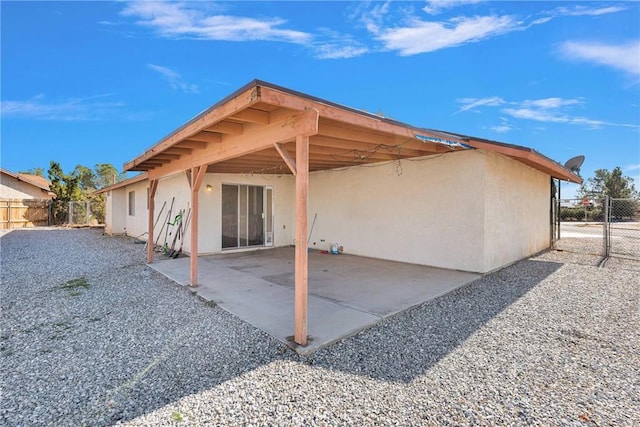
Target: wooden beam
column 286, row 157
column 254, row 139
column 213, row 115
column 197, row 175
column 153, row 186
column 206, row 137
column 188, row 143
column 176, row 150
column 164, row 156
column 251, row 115
column 359, row 119
column 227, row 127
column 158, row 162
column 301, row 257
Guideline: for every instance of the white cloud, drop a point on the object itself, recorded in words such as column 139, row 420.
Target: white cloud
column 533, row 114
column 625, row 57
column 174, row 79
column 373, row 17
column 471, row 103
column 434, row 7
column 501, row 128
column 633, row 167
column 424, row 36
column 548, row 110
column 553, row 116
column 547, row 103
column 74, row 109
column 588, row 11
column 199, row 20
column 337, row 51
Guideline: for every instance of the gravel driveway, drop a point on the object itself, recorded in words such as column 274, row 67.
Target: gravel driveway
column 91, row 336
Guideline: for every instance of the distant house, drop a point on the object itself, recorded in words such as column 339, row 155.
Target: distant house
column 268, row 166
column 24, row 200
column 24, row 186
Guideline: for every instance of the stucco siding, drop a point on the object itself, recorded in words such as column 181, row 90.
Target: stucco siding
column 517, row 218
column 425, row 211
column 11, row 188
column 210, row 223
column 469, row 210
column 115, row 212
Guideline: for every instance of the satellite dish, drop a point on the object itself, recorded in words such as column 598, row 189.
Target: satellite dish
column 574, row 163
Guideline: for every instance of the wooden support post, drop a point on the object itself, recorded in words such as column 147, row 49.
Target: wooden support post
column 153, row 185
column 197, row 175
column 301, row 261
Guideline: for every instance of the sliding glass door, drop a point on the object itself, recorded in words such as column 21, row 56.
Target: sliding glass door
column 243, row 216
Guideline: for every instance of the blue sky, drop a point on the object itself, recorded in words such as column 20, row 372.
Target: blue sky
column 99, row 82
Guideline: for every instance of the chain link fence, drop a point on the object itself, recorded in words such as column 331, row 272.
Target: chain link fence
column 580, row 226
column 605, row 228
column 86, row 212
column 622, row 231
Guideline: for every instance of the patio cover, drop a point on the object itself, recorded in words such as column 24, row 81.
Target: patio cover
column 264, row 128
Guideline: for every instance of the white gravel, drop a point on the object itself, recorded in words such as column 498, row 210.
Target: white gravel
column 548, row 341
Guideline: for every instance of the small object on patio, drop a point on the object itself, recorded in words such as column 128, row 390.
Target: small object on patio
column 334, row 249
column 324, row 252
column 137, row 239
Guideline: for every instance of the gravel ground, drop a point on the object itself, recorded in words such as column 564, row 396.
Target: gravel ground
column 91, row 336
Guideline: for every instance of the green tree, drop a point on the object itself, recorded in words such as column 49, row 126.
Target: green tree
column 65, row 187
column 86, row 178
column 106, row 175
column 604, row 183
column 80, row 186
column 615, row 185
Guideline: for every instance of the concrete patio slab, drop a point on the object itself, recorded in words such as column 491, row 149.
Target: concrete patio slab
column 346, row 293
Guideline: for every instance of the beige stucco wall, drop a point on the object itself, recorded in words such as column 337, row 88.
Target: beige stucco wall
column 469, row 210
column 517, row 211
column 115, row 211
column 427, row 211
column 209, row 224
column 11, row 188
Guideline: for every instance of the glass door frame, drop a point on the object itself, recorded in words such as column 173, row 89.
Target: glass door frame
column 267, row 214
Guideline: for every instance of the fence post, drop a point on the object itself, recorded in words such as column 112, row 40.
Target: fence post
column 605, row 224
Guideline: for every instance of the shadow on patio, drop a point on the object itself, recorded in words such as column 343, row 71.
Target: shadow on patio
column 346, row 293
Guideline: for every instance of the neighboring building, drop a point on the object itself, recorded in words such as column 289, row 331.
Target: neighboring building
column 262, row 166
column 24, row 186
column 24, row 200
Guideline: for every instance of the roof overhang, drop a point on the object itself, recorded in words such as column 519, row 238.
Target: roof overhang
column 36, row 181
column 138, row 178
column 254, row 130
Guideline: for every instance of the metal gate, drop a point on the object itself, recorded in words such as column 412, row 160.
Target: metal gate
column 622, row 228
column 607, row 228
column 579, row 227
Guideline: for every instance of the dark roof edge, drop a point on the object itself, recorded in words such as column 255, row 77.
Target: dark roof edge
column 21, row 178
column 133, row 180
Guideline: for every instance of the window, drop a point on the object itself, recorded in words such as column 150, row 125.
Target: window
column 132, row 203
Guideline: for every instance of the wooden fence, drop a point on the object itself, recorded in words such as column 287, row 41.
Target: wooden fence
column 16, row 213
